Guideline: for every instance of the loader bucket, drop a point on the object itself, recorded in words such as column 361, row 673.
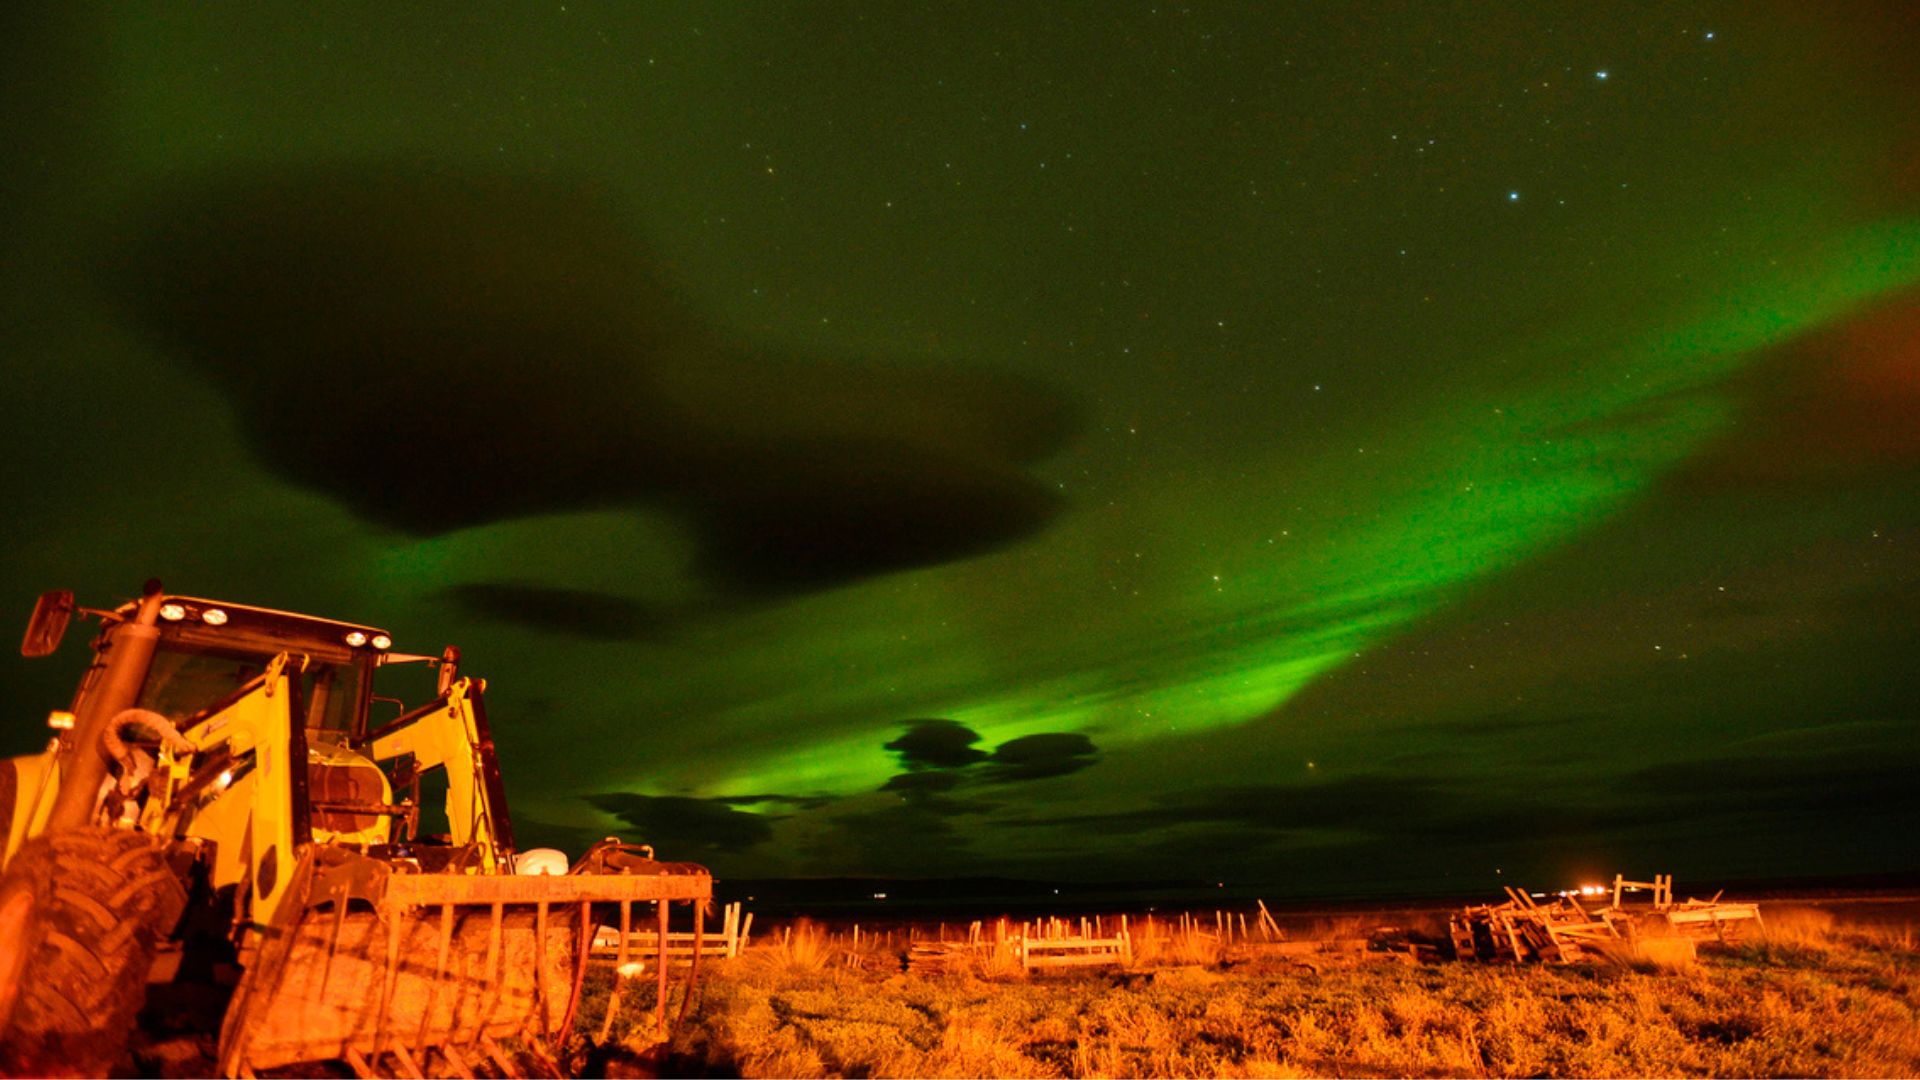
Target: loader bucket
column 422, row 966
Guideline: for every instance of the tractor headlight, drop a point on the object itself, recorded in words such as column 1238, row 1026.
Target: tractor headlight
column 356, row 639
column 172, row 612
column 382, row 641
column 213, row 616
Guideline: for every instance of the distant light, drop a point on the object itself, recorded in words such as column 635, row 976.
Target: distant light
column 356, row 639
column 172, row 612
column 213, row 616
column 382, row 641
column 879, row 896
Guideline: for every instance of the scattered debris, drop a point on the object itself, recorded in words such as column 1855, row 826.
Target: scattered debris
column 1562, row 931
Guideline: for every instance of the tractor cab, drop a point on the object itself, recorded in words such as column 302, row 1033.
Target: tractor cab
column 366, row 785
column 209, row 652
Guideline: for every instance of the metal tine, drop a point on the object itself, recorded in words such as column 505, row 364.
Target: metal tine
column 693, row 970
column 583, row 950
column 500, row 1059
column 391, row 976
column 660, row 999
column 359, row 1064
column 411, row 1067
column 456, row 1061
column 333, row 943
column 439, row 972
column 540, row 967
column 490, row 993
column 619, row 970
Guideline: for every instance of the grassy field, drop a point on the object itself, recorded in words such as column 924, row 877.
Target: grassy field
column 1809, row 997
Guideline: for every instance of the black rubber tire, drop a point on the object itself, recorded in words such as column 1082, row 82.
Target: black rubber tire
column 88, row 907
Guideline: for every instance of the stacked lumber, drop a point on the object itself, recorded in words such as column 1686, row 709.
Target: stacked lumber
column 1523, row 930
column 1562, row 931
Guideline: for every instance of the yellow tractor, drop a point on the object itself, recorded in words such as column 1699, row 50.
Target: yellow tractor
column 220, row 803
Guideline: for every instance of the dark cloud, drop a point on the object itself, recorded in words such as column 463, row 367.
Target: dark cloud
column 937, row 744
column 698, row 827
column 929, row 792
column 1513, row 721
column 530, row 832
column 800, row 802
column 575, row 612
column 1362, row 802
column 916, row 783
column 935, row 750
column 914, row 837
column 1872, row 792
column 439, row 349
column 1037, row 757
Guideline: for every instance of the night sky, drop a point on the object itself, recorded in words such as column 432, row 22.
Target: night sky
column 1352, row 448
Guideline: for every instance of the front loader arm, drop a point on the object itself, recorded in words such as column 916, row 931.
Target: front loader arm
column 452, row 732
column 255, row 810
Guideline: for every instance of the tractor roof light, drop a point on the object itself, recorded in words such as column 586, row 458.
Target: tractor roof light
column 213, row 616
column 382, row 641
column 356, row 638
column 172, row 612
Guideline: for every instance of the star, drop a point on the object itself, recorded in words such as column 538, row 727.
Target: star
column 1601, row 74
column 1513, row 196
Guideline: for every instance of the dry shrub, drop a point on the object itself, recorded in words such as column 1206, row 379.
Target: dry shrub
column 802, row 947
column 973, row 1047
column 1178, row 946
column 1801, row 927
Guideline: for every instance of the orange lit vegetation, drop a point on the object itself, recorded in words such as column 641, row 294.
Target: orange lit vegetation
column 1807, row 997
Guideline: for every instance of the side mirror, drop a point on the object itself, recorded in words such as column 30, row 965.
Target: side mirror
column 49, row 623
